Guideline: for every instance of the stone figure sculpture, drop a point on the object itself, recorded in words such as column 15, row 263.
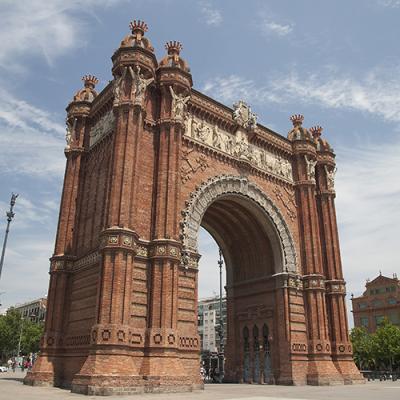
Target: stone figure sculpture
column 310, row 168
column 330, row 177
column 139, row 84
column 70, row 132
column 178, row 104
column 118, row 87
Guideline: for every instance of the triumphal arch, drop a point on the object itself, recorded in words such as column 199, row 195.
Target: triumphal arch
column 149, row 161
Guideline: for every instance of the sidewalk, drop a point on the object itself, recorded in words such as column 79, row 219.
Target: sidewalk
column 11, row 387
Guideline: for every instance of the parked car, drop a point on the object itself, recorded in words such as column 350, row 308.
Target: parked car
column 3, row 368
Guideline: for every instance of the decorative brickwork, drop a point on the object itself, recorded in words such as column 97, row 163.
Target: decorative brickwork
column 149, row 161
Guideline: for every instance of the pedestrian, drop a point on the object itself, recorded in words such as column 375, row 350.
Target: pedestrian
column 9, row 363
column 14, row 364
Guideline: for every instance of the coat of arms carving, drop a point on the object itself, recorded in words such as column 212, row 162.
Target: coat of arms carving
column 243, row 115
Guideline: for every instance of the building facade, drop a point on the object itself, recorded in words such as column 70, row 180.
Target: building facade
column 380, row 300
column 150, row 160
column 34, row 310
column 209, row 323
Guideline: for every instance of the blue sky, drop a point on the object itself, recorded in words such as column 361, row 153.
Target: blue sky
column 337, row 63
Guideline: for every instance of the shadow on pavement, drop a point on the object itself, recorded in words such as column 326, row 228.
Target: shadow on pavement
column 12, row 379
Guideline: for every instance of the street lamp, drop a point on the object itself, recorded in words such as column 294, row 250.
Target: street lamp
column 30, row 316
column 221, row 322
column 10, row 216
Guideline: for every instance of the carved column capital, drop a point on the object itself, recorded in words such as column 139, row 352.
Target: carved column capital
column 165, row 249
column 115, row 238
column 314, row 282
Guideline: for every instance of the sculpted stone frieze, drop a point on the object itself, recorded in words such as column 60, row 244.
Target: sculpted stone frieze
column 103, row 127
column 237, row 146
column 192, row 164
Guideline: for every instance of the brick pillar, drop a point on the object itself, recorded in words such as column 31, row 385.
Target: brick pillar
column 113, row 329
column 332, row 266
column 321, row 369
column 164, row 341
column 48, row 368
column 129, row 129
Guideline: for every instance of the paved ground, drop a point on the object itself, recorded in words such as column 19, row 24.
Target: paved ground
column 11, row 387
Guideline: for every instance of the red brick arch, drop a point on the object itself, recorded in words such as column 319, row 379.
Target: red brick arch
column 122, row 300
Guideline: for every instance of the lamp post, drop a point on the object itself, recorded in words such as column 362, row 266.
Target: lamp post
column 10, row 215
column 20, row 336
column 221, row 322
column 30, row 316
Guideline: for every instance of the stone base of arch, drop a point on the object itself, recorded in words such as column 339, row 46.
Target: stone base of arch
column 105, row 373
column 322, row 372
column 349, row 371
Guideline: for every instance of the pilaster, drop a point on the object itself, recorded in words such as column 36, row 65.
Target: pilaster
column 341, row 349
column 321, row 370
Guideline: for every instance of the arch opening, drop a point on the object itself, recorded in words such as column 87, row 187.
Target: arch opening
column 254, row 253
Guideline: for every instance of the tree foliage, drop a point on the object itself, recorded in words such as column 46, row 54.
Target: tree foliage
column 12, row 327
column 379, row 350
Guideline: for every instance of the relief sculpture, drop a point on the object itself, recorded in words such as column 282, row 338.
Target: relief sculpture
column 237, row 146
column 102, row 127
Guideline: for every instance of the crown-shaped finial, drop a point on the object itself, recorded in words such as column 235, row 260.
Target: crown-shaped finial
column 90, row 81
column 138, row 26
column 297, row 119
column 173, row 47
column 316, row 131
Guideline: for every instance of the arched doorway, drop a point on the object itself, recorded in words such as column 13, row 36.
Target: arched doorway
column 257, row 248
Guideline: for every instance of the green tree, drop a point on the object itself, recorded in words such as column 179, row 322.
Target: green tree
column 31, row 335
column 386, row 344
column 363, row 351
column 12, row 327
column 9, row 332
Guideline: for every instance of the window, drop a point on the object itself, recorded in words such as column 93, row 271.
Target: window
column 379, row 319
column 364, row 321
column 377, row 303
column 392, row 301
column 394, row 318
column 363, row 306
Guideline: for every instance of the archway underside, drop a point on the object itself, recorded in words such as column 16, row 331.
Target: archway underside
column 241, row 237
column 252, row 254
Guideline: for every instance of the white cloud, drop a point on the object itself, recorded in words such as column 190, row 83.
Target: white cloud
column 389, row 3
column 31, row 140
column 368, row 191
column 269, row 27
column 47, row 29
column 368, row 194
column 230, row 89
column 211, row 15
column 25, row 271
column 376, row 93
